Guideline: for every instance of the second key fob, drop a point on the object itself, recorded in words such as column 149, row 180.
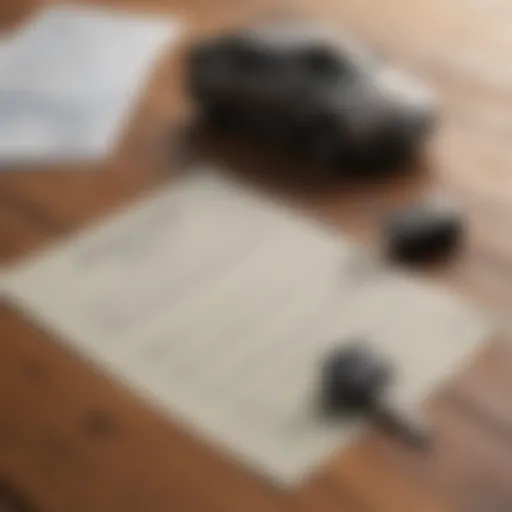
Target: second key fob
column 423, row 232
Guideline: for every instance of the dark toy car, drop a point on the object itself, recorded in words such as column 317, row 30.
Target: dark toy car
column 311, row 89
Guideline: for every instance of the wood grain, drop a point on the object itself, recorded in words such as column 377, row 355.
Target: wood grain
column 73, row 440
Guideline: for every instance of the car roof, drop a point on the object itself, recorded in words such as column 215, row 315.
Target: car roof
column 297, row 34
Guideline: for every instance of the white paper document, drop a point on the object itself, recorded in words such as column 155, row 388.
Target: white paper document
column 70, row 78
column 219, row 306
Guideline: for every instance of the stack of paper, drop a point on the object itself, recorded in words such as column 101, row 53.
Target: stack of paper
column 69, row 79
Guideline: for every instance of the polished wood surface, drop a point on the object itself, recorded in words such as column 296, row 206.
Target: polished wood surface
column 73, row 440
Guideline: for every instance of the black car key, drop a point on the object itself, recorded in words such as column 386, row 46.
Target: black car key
column 355, row 381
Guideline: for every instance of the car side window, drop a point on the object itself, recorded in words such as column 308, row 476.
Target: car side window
column 322, row 63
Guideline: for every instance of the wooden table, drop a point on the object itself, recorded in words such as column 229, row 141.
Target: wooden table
column 73, row 441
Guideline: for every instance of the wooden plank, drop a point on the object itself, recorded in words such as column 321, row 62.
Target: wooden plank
column 321, row 494
column 22, row 231
column 382, row 486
